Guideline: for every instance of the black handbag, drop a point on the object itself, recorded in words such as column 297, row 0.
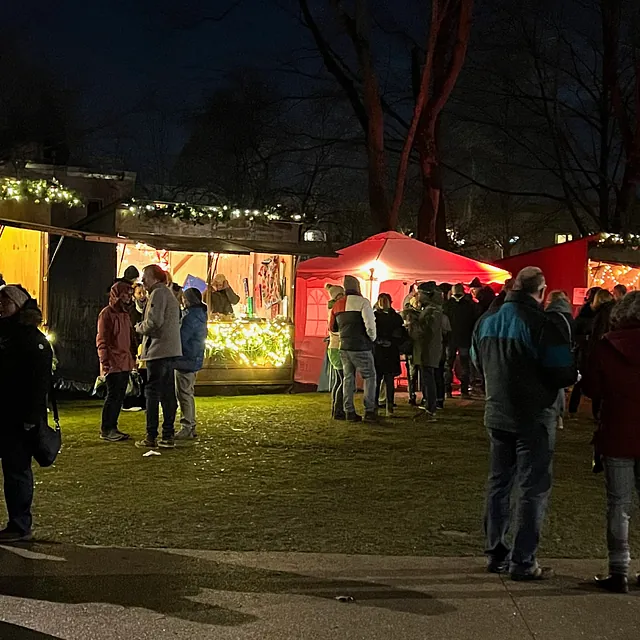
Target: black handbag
column 47, row 441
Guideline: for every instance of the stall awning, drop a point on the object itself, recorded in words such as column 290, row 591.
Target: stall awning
column 200, row 244
column 88, row 236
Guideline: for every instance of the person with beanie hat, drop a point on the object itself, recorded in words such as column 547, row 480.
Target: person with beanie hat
column 352, row 317
column 193, row 335
column 333, row 353
column 25, row 381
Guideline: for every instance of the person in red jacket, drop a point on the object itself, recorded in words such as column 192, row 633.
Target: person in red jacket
column 613, row 379
column 116, row 354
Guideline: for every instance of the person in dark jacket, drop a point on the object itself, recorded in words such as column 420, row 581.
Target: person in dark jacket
column 498, row 301
column 352, row 317
column 613, row 379
column 484, row 295
column 193, row 334
column 25, row 380
column 390, row 335
column 116, row 352
column 583, row 329
column 223, row 297
column 525, row 360
column 462, row 312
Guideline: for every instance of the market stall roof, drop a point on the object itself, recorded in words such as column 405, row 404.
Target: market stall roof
column 201, row 244
column 394, row 256
column 64, row 232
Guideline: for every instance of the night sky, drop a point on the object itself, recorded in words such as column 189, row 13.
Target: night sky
column 116, row 52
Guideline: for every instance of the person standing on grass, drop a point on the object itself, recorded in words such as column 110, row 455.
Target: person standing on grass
column 463, row 313
column 352, row 317
column 193, row 335
column 161, row 345
column 525, row 360
column 613, row 380
column 390, row 334
column 25, row 381
column 116, row 348
column 333, row 353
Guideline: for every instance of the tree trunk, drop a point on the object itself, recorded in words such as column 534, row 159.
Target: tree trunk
column 431, row 186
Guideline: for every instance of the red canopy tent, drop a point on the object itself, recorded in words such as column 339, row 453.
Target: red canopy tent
column 387, row 262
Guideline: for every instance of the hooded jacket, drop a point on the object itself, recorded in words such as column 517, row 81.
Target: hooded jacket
column 25, row 369
column 463, row 314
column 614, row 379
column 352, row 317
column 114, row 341
column 193, row 335
column 160, row 327
column 526, row 359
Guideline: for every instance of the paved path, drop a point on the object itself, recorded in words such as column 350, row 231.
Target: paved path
column 85, row 593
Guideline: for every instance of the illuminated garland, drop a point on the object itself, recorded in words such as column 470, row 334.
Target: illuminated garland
column 266, row 343
column 38, row 191
column 202, row 214
column 630, row 239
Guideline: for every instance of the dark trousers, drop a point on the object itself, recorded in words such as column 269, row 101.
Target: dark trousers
column 161, row 390
column 524, row 459
column 116, row 392
column 576, row 396
column 429, row 389
column 388, row 379
column 18, row 482
column 412, row 378
column 465, row 368
column 337, row 395
column 440, row 386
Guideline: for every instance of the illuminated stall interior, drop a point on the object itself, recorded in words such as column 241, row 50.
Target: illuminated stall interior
column 607, row 275
column 260, row 333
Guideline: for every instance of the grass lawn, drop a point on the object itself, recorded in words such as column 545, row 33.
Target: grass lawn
column 274, row 473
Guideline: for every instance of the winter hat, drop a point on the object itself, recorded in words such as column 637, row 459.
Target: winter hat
column 131, row 274
column 15, row 294
column 351, row 283
column 476, row 284
column 427, row 287
column 334, row 290
column 192, row 297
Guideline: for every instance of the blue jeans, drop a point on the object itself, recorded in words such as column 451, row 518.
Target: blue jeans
column 622, row 476
column 161, row 390
column 363, row 363
column 524, row 459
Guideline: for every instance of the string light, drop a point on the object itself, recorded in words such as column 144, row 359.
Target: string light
column 629, row 239
column 201, row 214
column 455, row 238
column 607, row 275
column 264, row 343
column 38, row 191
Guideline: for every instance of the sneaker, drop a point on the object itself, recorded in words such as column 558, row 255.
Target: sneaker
column 413, row 402
column 371, row 416
column 560, row 422
column 615, row 583
column 186, row 434
column 8, row 536
column 133, row 409
column 440, row 404
column 339, row 416
column 353, row 417
column 539, row 573
column 147, row 443
column 114, row 436
column 167, row 443
column 390, row 412
column 498, row 565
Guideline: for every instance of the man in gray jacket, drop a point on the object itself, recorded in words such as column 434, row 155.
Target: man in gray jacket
column 161, row 345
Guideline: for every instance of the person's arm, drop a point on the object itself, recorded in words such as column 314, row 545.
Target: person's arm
column 152, row 323
column 369, row 320
column 38, row 361
column 475, row 349
column 333, row 320
column 102, row 341
column 232, row 296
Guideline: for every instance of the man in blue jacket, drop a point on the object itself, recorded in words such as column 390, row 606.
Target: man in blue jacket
column 193, row 334
column 525, row 359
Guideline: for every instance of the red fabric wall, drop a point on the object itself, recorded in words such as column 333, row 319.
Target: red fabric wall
column 565, row 265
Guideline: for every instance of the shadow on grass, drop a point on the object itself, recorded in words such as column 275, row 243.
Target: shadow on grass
column 174, row 585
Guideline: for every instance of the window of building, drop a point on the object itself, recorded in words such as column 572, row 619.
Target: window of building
column 563, row 237
column 317, row 313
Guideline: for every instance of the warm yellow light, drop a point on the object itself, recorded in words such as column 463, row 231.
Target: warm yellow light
column 376, row 270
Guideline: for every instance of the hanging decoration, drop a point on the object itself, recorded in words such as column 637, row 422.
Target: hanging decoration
column 202, row 214
column 266, row 343
column 38, row 191
column 269, row 282
column 608, row 275
column 630, row 239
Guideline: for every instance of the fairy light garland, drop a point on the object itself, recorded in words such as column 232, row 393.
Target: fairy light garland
column 264, row 343
column 38, row 191
column 607, row 275
column 630, row 239
column 202, row 214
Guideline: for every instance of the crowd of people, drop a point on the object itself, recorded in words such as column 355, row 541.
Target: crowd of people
column 525, row 346
column 160, row 329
